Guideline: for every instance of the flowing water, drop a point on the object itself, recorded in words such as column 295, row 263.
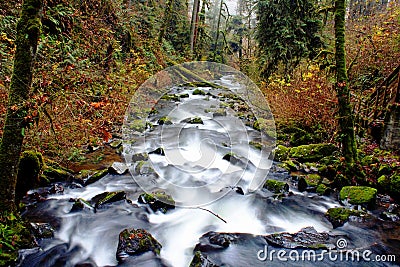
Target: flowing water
column 195, row 174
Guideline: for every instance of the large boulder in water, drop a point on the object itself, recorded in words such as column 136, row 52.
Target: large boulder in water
column 134, row 242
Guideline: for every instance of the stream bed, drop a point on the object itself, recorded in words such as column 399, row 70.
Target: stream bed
column 202, row 149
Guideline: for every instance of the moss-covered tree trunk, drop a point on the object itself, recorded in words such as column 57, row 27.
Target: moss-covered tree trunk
column 28, row 30
column 346, row 119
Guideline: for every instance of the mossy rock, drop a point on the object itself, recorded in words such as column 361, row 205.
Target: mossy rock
column 158, row 201
column 311, row 153
column 164, row 121
column 134, row 242
column 281, row 153
column 198, row 92
column 394, row 187
column 358, row 195
column 171, row 97
column 256, row 145
column 339, row 216
column 276, row 187
column 322, row 189
column 195, row 120
column 97, row 176
column 102, row 199
column 309, row 182
column 184, row 95
column 289, row 165
column 29, row 169
column 200, row 260
column 81, row 204
column 140, row 157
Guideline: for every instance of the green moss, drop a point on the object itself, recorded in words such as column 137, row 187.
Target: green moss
column 289, row 165
column 276, row 186
column 338, row 216
column 198, row 92
column 311, row 153
column 257, row 145
column 164, row 120
column 395, row 185
column 313, row 179
column 322, row 189
column 171, row 97
column 358, row 195
column 281, row 153
column 97, row 176
column 195, row 120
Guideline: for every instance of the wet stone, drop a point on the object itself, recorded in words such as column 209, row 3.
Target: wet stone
column 134, row 242
column 118, row 168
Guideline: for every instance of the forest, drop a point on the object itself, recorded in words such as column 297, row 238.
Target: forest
column 130, row 130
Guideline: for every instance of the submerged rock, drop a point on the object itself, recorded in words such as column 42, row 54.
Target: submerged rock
column 358, row 195
column 158, row 201
column 134, row 242
column 306, row 238
column 276, row 187
column 198, row 92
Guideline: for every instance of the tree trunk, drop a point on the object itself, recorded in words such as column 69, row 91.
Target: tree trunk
column 346, row 120
column 28, row 31
column 193, row 25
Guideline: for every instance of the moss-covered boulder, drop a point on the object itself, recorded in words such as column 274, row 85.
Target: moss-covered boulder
column 54, row 172
column 358, row 195
column 322, row 189
column 339, row 216
column 134, row 242
column 256, row 145
column 105, row 198
column 276, row 187
column 394, row 188
column 311, row 153
column 309, row 182
column 281, row 153
column 29, row 169
column 158, row 201
column 289, row 165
